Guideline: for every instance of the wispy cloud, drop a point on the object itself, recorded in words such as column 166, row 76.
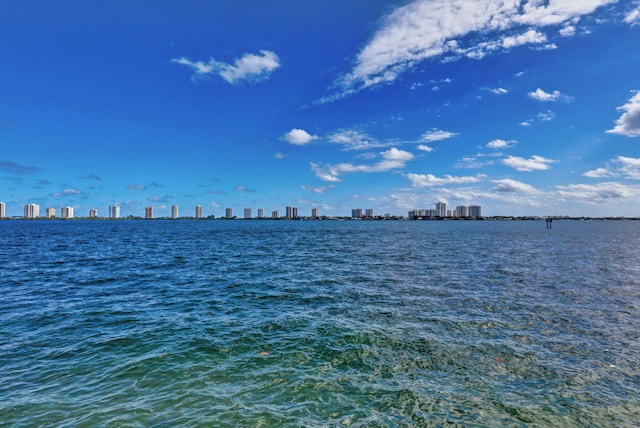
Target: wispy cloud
column 430, row 180
column 355, row 140
column 513, row 186
column 600, row 173
column 633, row 17
column 391, row 159
column 449, row 29
column 14, row 168
column 67, row 192
column 299, row 137
column 91, row 177
column 500, row 144
column 243, row 189
column 629, row 123
column 597, row 193
column 248, row 68
column 437, row 135
column 136, row 187
column 161, row 199
column 534, row 163
column 317, row 189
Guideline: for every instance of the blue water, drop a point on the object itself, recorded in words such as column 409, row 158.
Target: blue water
column 319, row 324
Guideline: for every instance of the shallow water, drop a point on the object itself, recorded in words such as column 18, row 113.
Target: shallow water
column 285, row 323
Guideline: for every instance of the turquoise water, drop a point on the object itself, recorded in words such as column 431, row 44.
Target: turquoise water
column 319, row 324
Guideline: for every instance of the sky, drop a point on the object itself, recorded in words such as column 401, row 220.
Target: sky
column 524, row 107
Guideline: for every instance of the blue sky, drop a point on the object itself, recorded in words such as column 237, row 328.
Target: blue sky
column 522, row 107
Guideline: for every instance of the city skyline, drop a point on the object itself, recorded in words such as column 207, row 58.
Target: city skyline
column 254, row 104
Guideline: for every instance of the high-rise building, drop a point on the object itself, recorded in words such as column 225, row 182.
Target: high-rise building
column 247, row 213
column 260, row 212
column 314, row 213
column 475, row 211
column 50, row 213
column 198, row 211
column 368, row 212
column 441, row 209
column 93, row 213
column 31, row 211
column 174, row 212
column 3, row 209
column 356, row 213
column 462, row 211
column 66, row 212
column 274, row 214
column 229, row 213
column 148, row 212
column 114, row 211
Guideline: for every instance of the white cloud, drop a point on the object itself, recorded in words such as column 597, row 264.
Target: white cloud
column 317, row 189
column 430, row 180
column 534, row 163
column 541, row 95
column 498, row 91
column 630, row 167
column 600, row 173
column 525, row 123
column 249, row 67
column 546, row 116
column 568, row 31
column 431, row 29
column 425, row 148
column 508, row 185
column 354, row 140
column 633, row 17
column 629, row 123
column 500, row 144
column 68, row 192
column 391, row 159
column 597, row 193
column 299, row 137
column 437, row 135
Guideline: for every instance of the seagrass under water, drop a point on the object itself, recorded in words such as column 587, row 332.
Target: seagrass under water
column 284, row 323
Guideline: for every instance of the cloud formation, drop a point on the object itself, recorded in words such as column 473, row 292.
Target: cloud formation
column 449, row 29
column 543, row 96
column 391, row 159
column 534, row 163
column 136, row 187
column 67, row 192
column 14, row 168
column 248, row 68
column 500, row 144
column 437, row 135
column 299, row 137
column 430, row 180
column 513, row 186
column 629, row 123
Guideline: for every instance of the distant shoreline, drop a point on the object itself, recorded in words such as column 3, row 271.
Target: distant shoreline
column 325, row 218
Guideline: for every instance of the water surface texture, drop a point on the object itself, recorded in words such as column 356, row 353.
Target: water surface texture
column 319, row 324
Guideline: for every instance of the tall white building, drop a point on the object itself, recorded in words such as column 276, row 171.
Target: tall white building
column 247, row 213
column 93, row 213
column 314, row 213
column 462, row 211
column 174, row 211
column 475, row 211
column 198, row 211
column 260, row 212
column 274, row 214
column 148, row 213
column 3, row 209
column 114, row 211
column 66, row 212
column 368, row 212
column 31, row 211
column 229, row 213
column 356, row 213
column 50, row 213
column 441, row 209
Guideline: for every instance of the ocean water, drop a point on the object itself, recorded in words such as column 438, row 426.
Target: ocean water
column 319, row 324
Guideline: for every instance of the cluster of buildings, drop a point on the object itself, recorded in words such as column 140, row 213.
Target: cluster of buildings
column 32, row 211
column 441, row 211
